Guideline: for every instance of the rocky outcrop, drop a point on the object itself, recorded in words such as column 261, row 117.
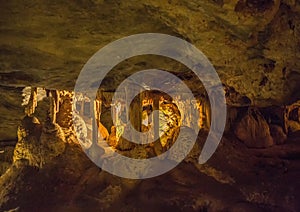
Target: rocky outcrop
column 28, row 150
column 254, row 130
column 38, row 144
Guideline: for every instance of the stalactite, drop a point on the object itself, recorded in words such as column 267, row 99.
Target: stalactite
column 158, row 148
column 200, row 110
column 98, row 104
column 32, row 104
column 286, row 119
column 64, row 114
column 206, row 114
column 54, row 104
column 93, row 109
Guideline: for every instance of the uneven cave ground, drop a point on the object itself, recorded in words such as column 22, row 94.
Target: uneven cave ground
column 236, row 178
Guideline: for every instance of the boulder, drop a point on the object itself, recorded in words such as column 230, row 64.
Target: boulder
column 254, row 130
column 28, row 149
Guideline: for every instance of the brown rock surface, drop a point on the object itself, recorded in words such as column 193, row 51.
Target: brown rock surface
column 279, row 137
column 253, row 130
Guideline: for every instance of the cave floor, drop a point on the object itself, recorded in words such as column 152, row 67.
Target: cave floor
column 236, row 178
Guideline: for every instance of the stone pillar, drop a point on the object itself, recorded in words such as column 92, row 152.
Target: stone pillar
column 206, row 113
column 64, row 115
column 32, row 103
column 98, row 110
column 54, row 104
column 126, row 107
column 158, row 149
column 135, row 113
column 200, row 109
column 99, row 105
column 93, row 110
column 286, row 113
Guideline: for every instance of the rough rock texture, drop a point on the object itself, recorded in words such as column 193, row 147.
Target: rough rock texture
column 73, row 183
column 253, row 45
column 6, row 158
column 38, row 144
column 11, row 112
column 243, row 39
column 53, row 138
column 28, row 149
column 253, row 130
column 64, row 116
column 169, row 122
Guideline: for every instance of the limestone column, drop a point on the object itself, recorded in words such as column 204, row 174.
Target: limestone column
column 158, row 149
column 135, row 113
column 286, row 119
column 200, row 109
column 94, row 114
column 99, row 105
column 207, row 112
column 98, row 110
column 32, row 103
column 126, row 106
column 54, row 104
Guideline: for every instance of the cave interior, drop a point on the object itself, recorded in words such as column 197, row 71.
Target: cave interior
column 55, row 142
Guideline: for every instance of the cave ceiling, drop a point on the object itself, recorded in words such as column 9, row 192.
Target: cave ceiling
column 253, row 45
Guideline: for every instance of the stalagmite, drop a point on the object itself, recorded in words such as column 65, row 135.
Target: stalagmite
column 32, row 104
